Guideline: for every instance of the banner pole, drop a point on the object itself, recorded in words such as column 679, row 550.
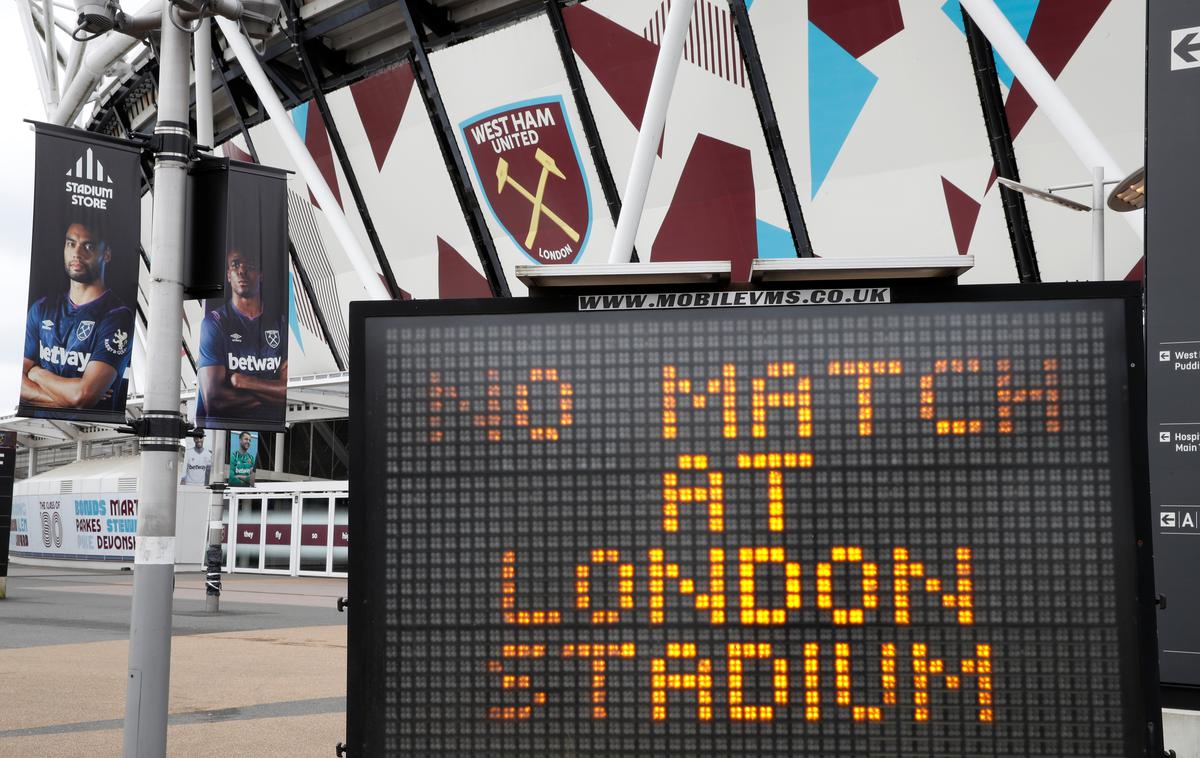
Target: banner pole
column 149, row 678
column 653, row 121
column 1098, row 223
column 8, row 471
column 216, row 504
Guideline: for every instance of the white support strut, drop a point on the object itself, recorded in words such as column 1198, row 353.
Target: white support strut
column 51, row 48
column 633, row 201
column 25, row 13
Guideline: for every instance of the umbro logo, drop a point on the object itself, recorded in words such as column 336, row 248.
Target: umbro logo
column 235, row 337
column 47, row 324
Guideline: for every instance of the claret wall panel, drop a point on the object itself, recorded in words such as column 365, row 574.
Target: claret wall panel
column 394, row 154
column 713, row 195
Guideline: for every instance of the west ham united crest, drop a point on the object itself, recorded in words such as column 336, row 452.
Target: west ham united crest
column 528, row 164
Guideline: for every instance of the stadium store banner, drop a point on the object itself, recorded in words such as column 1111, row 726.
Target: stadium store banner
column 243, row 361
column 82, row 276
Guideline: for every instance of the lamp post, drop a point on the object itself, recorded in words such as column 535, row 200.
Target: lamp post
column 1096, row 209
column 162, row 426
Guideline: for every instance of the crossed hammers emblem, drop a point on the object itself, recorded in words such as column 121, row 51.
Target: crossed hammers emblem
column 549, row 166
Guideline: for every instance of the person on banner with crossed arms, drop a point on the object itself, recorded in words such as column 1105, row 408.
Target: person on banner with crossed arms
column 78, row 341
column 242, row 367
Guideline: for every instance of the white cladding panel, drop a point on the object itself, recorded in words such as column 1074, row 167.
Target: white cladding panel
column 714, row 194
column 393, row 151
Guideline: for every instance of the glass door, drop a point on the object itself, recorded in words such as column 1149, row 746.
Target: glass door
column 340, row 563
column 277, row 534
column 314, row 534
column 286, row 533
column 248, row 534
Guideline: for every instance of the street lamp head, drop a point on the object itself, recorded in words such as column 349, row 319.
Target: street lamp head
column 1130, row 193
column 95, row 17
column 1049, row 197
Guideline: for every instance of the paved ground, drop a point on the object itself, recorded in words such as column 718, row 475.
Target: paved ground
column 265, row 677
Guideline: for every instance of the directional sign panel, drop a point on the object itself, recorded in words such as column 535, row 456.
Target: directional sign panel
column 1173, row 326
column 907, row 528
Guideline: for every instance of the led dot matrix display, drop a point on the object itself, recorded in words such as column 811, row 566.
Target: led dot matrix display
column 864, row 530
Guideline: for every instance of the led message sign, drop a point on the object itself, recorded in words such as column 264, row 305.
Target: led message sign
column 901, row 529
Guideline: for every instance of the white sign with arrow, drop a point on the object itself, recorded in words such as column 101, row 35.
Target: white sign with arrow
column 1185, row 48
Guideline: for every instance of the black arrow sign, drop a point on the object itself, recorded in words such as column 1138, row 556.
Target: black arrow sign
column 1185, row 48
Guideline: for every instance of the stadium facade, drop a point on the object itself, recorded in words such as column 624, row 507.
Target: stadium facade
column 831, row 128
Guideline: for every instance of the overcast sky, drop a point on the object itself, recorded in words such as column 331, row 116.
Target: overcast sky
column 22, row 101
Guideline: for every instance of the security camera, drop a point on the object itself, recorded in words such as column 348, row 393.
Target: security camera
column 96, row 17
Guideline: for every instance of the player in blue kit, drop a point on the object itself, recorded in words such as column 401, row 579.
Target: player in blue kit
column 78, row 342
column 243, row 351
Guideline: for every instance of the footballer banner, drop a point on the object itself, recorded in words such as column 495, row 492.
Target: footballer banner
column 82, row 276
column 243, row 361
column 243, row 458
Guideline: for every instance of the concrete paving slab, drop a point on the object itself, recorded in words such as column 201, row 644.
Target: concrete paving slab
column 70, row 684
column 261, row 678
column 293, row 737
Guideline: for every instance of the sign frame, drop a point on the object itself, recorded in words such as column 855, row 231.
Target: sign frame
column 1143, row 714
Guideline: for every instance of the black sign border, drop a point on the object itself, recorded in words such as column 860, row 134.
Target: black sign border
column 364, row 675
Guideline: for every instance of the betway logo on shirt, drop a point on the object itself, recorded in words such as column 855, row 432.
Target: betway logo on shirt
column 60, row 356
column 253, row 363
